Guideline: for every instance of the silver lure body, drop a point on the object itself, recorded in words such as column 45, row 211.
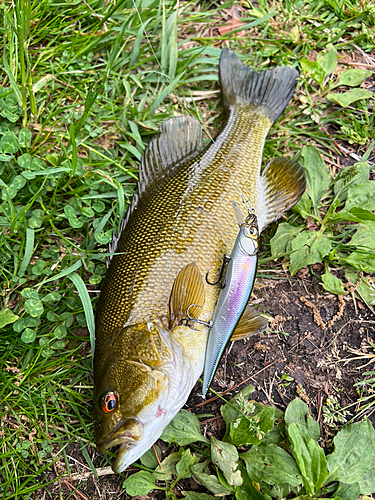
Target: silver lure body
column 233, row 298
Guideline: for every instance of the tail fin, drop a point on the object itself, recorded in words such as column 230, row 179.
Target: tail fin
column 270, row 89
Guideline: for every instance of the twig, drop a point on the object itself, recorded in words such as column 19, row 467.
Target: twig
column 157, row 457
column 79, row 476
column 75, row 490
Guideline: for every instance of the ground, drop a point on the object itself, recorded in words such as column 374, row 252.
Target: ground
column 311, row 337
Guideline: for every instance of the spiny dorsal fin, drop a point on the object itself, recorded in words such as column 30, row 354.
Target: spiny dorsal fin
column 283, row 182
column 187, row 289
column 177, row 140
column 270, row 89
column 251, row 323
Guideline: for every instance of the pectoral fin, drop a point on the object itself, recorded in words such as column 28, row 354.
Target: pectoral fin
column 251, row 323
column 283, row 182
column 187, row 289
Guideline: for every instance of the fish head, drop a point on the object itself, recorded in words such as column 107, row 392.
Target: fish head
column 137, row 390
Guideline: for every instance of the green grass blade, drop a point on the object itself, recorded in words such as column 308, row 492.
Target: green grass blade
column 29, row 248
column 173, row 52
column 12, row 81
column 87, row 457
column 65, row 272
column 87, row 306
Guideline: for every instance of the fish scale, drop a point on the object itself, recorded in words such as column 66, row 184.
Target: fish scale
column 182, row 236
column 179, row 226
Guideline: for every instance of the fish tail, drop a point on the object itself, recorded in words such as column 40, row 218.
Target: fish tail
column 270, row 89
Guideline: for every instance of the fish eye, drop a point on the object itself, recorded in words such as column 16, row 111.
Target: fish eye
column 109, row 402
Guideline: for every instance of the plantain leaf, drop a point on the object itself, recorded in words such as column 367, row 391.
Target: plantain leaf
column 349, row 97
column 328, row 61
column 272, row 465
column 353, row 453
column 252, row 428
column 140, row 483
column 310, row 459
column 364, row 237
column 332, row 284
column 183, row 429
column 239, row 403
column 363, row 261
column 308, row 247
column 299, row 413
column 212, row 484
column 361, row 195
column 364, row 290
column 353, row 77
column 168, row 467
column 282, row 241
column 225, row 456
column 191, row 495
column 247, row 490
column 349, row 176
column 183, row 467
column 303, row 206
column 348, row 491
column 367, row 482
column 314, row 70
column 149, row 459
column 317, row 175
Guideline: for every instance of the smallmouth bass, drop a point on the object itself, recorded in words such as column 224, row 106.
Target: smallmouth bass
column 180, row 224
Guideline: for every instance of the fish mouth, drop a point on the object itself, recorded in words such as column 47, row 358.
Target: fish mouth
column 128, row 433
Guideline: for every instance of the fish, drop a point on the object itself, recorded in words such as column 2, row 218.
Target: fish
column 234, row 295
column 153, row 313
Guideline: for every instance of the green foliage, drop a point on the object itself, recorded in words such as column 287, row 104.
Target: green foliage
column 184, row 429
column 334, row 240
column 297, row 467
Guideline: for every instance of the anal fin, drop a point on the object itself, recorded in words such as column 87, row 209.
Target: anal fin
column 187, row 289
column 283, row 182
column 251, row 323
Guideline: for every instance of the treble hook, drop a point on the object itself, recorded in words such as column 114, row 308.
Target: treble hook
column 189, row 318
column 226, row 259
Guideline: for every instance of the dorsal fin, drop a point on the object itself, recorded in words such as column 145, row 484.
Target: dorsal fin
column 187, row 289
column 283, row 182
column 177, row 140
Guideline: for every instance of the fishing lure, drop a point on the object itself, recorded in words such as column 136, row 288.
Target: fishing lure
column 236, row 289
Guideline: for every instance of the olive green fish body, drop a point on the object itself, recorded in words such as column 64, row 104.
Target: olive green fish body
column 181, row 223
column 189, row 219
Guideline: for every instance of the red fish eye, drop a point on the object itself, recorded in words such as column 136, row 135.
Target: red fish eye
column 109, row 402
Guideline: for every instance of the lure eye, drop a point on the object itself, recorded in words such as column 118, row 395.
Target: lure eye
column 109, row 402
column 252, row 232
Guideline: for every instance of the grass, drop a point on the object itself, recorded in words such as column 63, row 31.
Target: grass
column 84, row 87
